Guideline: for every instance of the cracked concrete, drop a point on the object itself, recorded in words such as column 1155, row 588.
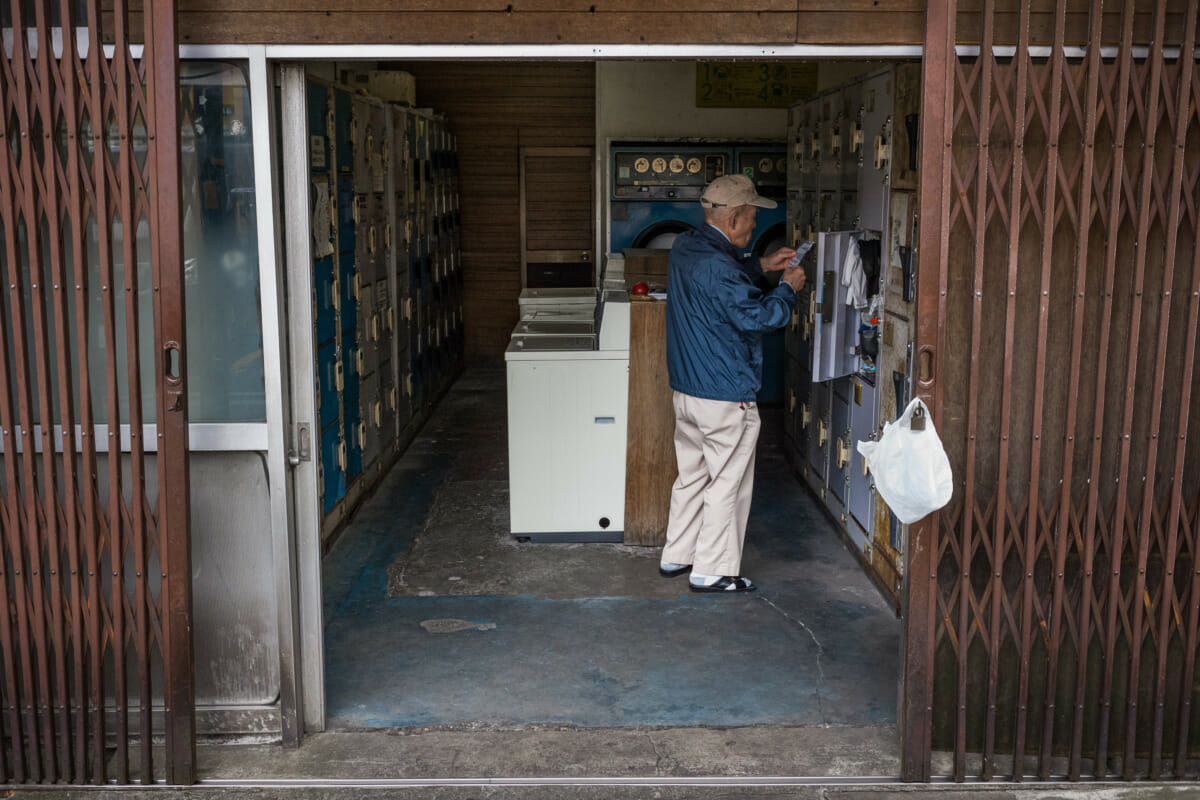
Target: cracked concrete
column 820, row 652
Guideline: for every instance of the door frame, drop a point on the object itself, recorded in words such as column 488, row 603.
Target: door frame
column 301, row 528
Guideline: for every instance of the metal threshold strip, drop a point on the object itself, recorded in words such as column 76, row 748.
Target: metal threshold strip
column 943, row 782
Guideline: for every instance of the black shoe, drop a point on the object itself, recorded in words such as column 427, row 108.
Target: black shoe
column 726, row 584
column 674, row 573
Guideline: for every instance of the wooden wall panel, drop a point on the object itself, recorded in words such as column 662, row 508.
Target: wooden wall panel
column 496, row 108
column 622, row 22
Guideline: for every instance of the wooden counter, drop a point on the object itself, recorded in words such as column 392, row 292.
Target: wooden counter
column 650, row 468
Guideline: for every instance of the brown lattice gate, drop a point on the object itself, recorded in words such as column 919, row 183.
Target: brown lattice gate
column 94, row 568
column 1053, row 606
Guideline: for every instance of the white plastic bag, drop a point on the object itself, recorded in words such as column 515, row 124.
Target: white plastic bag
column 912, row 472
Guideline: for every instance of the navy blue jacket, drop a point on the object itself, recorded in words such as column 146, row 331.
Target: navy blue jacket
column 716, row 316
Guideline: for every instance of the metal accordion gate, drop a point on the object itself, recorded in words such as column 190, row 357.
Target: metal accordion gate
column 95, row 640
column 1054, row 604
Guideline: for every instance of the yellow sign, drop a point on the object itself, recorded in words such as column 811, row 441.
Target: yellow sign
column 753, row 84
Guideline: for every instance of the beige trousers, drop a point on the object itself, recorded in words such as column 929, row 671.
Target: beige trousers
column 710, row 501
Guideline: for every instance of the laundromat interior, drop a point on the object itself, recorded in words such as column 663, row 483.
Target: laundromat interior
column 493, row 455
column 478, row 422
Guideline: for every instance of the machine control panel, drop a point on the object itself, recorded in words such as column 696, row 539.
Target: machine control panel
column 767, row 168
column 665, row 173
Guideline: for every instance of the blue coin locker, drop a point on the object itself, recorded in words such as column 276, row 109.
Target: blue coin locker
column 327, row 371
column 325, row 288
column 344, row 113
column 333, row 478
column 347, row 240
column 346, row 278
column 318, row 109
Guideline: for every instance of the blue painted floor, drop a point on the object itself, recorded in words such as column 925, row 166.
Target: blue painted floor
column 816, row 645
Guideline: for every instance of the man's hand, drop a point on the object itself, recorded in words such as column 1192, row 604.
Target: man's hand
column 777, row 260
column 794, row 277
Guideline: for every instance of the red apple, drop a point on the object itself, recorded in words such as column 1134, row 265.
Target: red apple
column 640, row 288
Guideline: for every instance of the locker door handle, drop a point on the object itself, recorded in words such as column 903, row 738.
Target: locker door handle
column 805, row 415
column 339, row 377
column 791, row 401
column 822, row 433
column 856, row 138
column 341, row 456
column 883, row 151
column 843, row 453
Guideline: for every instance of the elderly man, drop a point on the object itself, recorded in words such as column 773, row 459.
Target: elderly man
column 717, row 313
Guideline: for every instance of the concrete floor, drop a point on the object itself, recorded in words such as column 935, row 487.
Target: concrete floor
column 435, row 616
column 600, row 680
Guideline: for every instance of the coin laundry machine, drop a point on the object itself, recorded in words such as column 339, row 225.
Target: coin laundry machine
column 654, row 190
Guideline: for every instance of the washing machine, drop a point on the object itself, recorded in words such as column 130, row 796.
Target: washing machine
column 655, row 191
column 766, row 165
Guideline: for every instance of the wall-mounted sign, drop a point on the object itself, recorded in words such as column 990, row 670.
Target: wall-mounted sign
column 753, row 84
